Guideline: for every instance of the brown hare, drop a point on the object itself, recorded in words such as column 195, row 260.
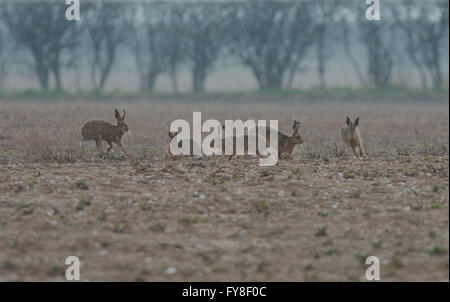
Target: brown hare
column 246, row 144
column 169, row 154
column 101, row 130
column 286, row 143
column 352, row 136
column 234, row 154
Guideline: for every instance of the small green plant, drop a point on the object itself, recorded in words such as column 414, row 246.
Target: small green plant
column 436, row 250
column 8, row 265
column 322, row 231
column 433, row 206
column 119, row 228
column 416, row 206
column 396, row 262
column 104, row 243
column 331, row 251
column 295, row 171
column 261, row 206
column 189, row 220
column 145, row 206
column 376, row 243
column 19, row 188
column 411, row 173
column 219, row 269
column 56, row 270
column 27, row 209
column 355, row 195
column 81, row 184
column 432, row 233
column 73, row 223
column 210, row 179
column 139, row 278
column 84, row 201
column 348, row 175
column 361, row 258
column 157, row 227
column 324, row 213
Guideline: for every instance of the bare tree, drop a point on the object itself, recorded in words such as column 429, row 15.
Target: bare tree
column 174, row 41
column 379, row 57
column 348, row 45
column 272, row 38
column 325, row 35
column 156, row 42
column 378, row 39
column 43, row 30
column 107, row 24
column 5, row 57
column 426, row 26
column 202, row 29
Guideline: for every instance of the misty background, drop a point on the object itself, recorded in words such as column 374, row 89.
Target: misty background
column 181, row 46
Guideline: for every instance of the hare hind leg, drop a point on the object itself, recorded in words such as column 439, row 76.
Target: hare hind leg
column 110, row 146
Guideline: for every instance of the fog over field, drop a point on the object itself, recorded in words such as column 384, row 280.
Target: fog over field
column 166, row 46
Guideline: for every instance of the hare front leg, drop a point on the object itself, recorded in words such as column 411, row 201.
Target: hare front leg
column 354, row 151
column 99, row 143
column 362, row 151
column 122, row 148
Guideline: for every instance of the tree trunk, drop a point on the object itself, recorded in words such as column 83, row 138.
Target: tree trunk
column 151, row 81
column 173, row 78
column 199, row 76
column 352, row 59
column 57, row 75
column 42, row 74
column 321, row 58
column 436, row 69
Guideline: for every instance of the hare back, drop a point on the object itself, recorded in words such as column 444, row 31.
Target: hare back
column 248, row 141
column 92, row 129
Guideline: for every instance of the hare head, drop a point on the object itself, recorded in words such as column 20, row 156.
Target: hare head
column 120, row 120
column 352, row 126
column 297, row 138
column 172, row 134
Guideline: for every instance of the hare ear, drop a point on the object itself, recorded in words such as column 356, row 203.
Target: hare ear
column 123, row 114
column 357, row 122
column 296, row 127
column 117, row 113
column 348, row 121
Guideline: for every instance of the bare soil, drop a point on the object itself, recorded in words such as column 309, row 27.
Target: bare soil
column 145, row 218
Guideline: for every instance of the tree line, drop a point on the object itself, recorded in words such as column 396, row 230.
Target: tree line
column 271, row 38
